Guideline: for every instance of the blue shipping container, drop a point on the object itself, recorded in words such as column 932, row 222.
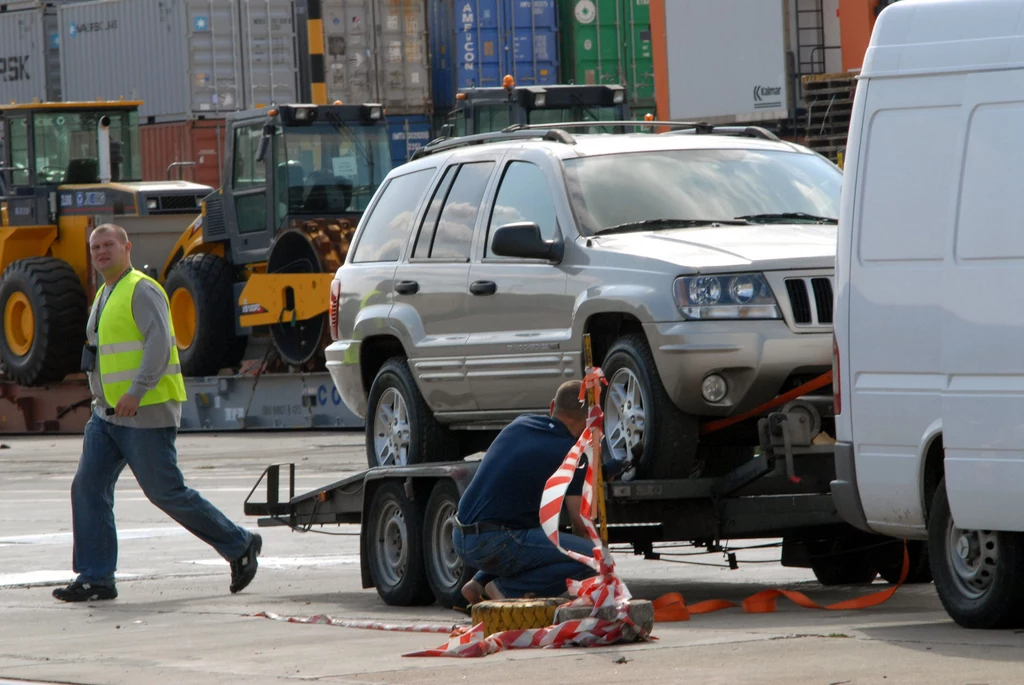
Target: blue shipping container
column 475, row 43
column 407, row 134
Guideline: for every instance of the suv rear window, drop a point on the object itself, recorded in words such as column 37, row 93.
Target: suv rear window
column 610, row 190
column 391, row 219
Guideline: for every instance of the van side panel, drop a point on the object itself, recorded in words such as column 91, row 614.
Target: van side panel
column 983, row 330
column 907, row 183
column 844, row 488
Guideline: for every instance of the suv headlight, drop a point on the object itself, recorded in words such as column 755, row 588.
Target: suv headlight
column 734, row 296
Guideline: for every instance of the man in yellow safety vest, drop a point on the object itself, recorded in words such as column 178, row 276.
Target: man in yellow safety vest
column 136, row 382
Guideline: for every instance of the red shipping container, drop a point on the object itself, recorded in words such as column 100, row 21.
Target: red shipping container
column 195, row 140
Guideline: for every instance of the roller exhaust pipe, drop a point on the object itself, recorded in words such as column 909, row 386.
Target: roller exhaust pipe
column 103, row 156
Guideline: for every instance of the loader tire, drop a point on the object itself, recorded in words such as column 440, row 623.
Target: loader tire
column 44, row 312
column 498, row 615
column 201, row 291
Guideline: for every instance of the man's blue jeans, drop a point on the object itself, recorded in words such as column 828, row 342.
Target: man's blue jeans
column 154, row 460
column 522, row 561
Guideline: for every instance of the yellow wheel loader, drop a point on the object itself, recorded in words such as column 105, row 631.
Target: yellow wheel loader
column 65, row 168
column 257, row 265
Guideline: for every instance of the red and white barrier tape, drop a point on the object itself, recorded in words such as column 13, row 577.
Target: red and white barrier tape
column 605, row 589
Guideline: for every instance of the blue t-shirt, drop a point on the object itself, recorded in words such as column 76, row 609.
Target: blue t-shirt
column 507, row 487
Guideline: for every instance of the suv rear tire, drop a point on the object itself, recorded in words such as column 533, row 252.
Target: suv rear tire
column 666, row 446
column 400, row 428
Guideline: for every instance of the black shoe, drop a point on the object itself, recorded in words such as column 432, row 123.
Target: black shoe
column 243, row 569
column 85, row 592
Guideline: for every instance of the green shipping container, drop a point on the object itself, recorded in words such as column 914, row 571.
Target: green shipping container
column 609, row 42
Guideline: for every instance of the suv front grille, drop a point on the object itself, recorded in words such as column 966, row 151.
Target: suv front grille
column 811, row 300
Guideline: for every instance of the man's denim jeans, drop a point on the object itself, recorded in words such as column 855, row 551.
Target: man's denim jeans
column 521, row 561
column 152, row 456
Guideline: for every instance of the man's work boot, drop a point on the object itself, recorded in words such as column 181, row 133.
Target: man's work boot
column 243, row 569
column 85, row 592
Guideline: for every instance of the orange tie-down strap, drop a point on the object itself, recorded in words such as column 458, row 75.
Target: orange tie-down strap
column 672, row 606
column 810, row 386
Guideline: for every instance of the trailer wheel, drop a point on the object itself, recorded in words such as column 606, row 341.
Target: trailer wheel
column 889, row 560
column 44, row 314
column 400, row 428
column 395, row 548
column 641, row 420
column 446, row 572
column 201, row 291
column 842, row 561
column 977, row 572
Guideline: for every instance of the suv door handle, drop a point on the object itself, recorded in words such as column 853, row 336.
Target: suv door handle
column 407, row 287
column 483, row 288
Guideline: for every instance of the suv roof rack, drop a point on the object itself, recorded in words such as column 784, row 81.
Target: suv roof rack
column 623, row 123
column 681, row 128
column 545, row 133
column 741, row 131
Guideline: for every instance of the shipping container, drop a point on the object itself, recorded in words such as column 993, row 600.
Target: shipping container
column 476, row 43
column 180, row 57
column 609, row 42
column 408, row 134
column 29, row 61
column 197, row 141
column 725, row 60
column 377, row 52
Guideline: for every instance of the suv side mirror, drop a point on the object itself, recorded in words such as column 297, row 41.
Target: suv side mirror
column 524, row 240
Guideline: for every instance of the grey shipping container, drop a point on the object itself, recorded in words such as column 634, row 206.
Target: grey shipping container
column 29, row 61
column 377, row 52
column 182, row 58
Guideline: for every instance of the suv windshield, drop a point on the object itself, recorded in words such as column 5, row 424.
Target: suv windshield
column 709, row 185
column 323, row 169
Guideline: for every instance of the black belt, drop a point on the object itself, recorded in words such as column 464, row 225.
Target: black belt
column 481, row 527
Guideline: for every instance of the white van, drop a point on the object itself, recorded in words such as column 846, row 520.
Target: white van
column 929, row 318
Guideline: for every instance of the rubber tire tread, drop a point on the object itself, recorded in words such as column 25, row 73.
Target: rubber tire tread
column 1002, row 606
column 672, row 453
column 448, row 597
column 499, row 615
column 61, row 314
column 412, row 589
column 210, row 280
column 920, row 567
column 430, row 441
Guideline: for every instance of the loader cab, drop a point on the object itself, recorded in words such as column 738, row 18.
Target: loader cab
column 485, row 110
column 47, row 145
column 292, row 164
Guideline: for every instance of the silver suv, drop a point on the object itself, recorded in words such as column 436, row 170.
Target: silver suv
column 700, row 264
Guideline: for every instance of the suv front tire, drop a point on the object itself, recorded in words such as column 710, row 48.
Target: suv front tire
column 641, row 422
column 400, row 428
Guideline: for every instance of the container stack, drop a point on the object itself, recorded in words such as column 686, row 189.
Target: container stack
column 609, row 42
column 29, row 51
column 829, row 99
column 190, row 62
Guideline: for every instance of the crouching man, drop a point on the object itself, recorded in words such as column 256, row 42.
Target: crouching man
column 498, row 527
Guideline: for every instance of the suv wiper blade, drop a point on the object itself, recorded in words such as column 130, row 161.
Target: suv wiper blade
column 659, row 224
column 790, row 216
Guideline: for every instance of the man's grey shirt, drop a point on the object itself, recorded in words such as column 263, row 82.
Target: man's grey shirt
column 149, row 307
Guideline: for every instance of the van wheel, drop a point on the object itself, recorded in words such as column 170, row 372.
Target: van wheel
column 842, row 561
column 400, row 428
column 977, row 572
column 394, row 548
column 641, row 422
column 889, row 560
column 446, row 572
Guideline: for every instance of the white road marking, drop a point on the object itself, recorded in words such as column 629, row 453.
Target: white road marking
column 62, row 538
column 288, row 562
column 45, row 577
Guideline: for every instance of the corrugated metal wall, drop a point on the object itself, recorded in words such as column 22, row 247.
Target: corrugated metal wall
column 201, row 141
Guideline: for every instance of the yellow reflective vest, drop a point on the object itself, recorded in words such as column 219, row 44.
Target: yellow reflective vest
column 120, row 347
